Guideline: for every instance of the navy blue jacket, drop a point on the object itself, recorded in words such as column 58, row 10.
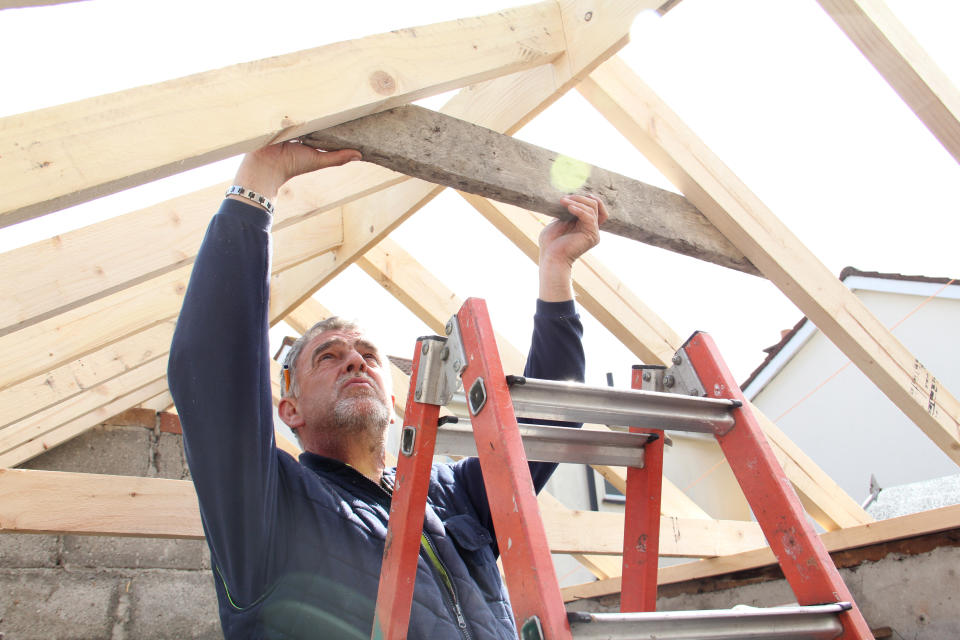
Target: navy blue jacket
column 296, row 546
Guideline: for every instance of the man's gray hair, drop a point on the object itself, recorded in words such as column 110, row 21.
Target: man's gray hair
column 333, row 323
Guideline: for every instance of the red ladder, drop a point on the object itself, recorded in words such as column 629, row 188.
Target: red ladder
column 703, row 397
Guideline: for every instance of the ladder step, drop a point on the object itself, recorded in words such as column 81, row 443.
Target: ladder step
column 554, row 444
column 818, row 622
column 575, row 402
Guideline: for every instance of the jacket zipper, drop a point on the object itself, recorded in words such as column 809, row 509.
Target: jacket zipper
column 451, row 592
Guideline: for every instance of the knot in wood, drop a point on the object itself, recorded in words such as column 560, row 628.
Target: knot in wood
column 383, row 83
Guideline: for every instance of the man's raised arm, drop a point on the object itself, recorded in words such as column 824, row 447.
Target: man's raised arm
column 219, row 370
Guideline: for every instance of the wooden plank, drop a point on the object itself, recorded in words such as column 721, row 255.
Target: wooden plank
column 900, row 59
column 56, row 340
column 673, row 501
column 55, row 502
column 71, row 153
column 431, row 146
column 650, row 339
column 607, row 299
column 17, row 4
column 527, row 93
column 417, row 289
column 67, row 337
column 59, row 384
column 38, row 424
column 601, row 533
column 915, row 524
column 309, row 313
column 159, row 403
column 503, row 104
column 34, row 446
column 666, row 141
column 78, row 267
column 433, row 303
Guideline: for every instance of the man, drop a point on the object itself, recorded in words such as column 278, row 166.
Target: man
column 296, row 547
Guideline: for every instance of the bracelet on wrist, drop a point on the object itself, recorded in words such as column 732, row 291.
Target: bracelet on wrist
column 237, row 190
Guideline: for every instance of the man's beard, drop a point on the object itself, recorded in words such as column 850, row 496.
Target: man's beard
column 361, row 414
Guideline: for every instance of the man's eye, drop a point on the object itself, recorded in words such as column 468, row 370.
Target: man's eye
column 372, row 357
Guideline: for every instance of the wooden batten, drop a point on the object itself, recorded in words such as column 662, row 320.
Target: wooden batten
column 75, row 152
column 903, row 63
column 649, row 124
column 880, row 531
column 650, row 339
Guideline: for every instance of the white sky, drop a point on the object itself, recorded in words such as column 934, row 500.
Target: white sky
column 774, row 88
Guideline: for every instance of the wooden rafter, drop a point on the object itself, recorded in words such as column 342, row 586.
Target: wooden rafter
column 651, row 340
column 657, row 132
column 79, row 267
column 433, row 303
column 62, row 383
column 900, row 59
column 55, row 502
column 503, row 104
column 71, row 153
column 907, row 526
column 84, row 328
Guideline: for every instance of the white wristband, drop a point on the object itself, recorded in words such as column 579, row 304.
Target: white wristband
column 237, row 190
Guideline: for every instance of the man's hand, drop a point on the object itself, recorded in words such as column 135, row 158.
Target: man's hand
column 563, row 241
column 266, row 169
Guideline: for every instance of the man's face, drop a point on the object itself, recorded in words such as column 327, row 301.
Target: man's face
column 339, row 374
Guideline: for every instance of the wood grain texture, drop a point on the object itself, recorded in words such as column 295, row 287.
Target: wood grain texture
column 459, row 154
column 877, row 532
column 651, row 340
column 63, row 382
column 903, row 63
column 55, row 502
column 504, row 104
column 433, row 302
column 55, row 157
column 687, row 162
column 601, row 532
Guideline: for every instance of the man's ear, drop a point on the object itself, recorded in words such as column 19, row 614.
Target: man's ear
column 287, row 410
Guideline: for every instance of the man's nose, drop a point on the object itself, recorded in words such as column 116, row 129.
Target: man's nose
column 355, row 362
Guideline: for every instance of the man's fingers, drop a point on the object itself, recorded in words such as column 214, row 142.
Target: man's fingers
column 337, row 158
column 586, row 208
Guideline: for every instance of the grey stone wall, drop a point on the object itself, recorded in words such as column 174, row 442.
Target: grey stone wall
column 915, row 595
column 93, row 587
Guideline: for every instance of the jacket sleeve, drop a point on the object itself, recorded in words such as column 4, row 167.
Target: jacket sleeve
column 218, row 374
column 556, row 353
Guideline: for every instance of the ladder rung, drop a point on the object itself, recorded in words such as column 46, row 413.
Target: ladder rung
column 555, row 444
column 818, row 622
column 575, row 402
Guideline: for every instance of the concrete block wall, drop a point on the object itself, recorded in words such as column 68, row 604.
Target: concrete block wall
column 910, row 588
column 115, row 588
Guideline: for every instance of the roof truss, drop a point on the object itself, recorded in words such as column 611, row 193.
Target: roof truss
column 86, row 330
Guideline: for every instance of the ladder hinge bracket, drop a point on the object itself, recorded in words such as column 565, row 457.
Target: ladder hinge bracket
column 681, row 378
column 442, row 360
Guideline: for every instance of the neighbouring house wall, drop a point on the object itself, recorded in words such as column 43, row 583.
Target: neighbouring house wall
column 848, row 426
column 92, row 587
column 911, row 586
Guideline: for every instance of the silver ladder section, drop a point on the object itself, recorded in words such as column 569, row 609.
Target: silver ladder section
column 817, row 622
